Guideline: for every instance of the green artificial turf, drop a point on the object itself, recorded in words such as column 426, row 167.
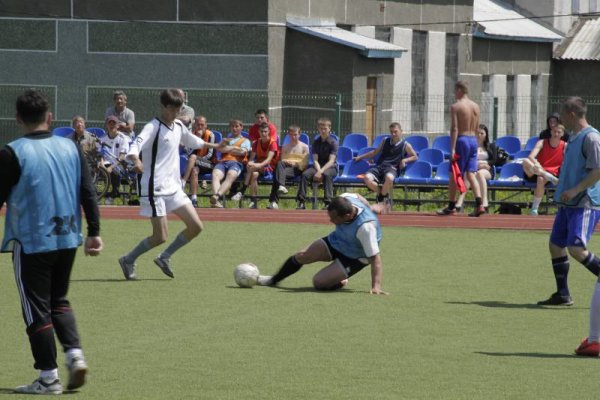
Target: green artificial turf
column 460, row 322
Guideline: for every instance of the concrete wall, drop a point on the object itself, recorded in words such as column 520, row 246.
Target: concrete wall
column 436, row 50
column 581, row 78
column 402, row 79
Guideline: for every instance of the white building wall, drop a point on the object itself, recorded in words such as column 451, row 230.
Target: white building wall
column 522, row 110
column 498, row 89
column 365, row 30
column 436, row 59
column 401, row 107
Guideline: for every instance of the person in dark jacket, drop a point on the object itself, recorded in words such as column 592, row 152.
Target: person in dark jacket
column 487, row 154
column 552, row 121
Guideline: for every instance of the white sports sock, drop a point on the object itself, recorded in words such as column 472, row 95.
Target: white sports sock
column 594, row 335
column 549, row 177
column 49, row 375
column 72, row 353
column 535, row 204
column 194, row 197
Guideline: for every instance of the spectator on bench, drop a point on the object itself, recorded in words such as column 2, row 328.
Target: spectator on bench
column 114, row 147
column 324, row 167
column 487, row 154
column 551, row 122
column 125, row 116
column 543, row 164
column 262, row 118
column 84, row 139
column 395, row 154
column 294, row 158
column 201, row 160
column 231, row 165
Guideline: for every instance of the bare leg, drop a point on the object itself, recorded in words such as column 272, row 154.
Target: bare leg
column 229, row 179
column 217, row 177
column 331, row 277
column 190, row 166
column 160, row 230
column 370, row 183
column 474, row 184
column 253, row 182
column 387, row 185
column 194, row 181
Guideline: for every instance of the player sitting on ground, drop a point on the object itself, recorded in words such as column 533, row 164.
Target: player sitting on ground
column 352, row 246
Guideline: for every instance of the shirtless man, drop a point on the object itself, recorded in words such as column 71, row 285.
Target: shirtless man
column 463, row 147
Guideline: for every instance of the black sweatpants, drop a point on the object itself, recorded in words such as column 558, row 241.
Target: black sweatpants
column 43, row 281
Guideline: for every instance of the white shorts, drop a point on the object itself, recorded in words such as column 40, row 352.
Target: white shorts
column 162, row 205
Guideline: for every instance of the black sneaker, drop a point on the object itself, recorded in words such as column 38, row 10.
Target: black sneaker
column 446, row 211
column 556, row 300
column 477, row 212
column 301, row 206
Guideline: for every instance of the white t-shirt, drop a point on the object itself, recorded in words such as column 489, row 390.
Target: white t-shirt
column 158, row 147
column 367, row 233
column 114, row 146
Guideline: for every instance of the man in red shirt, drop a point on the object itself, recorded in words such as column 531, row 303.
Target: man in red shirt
column 262, row 118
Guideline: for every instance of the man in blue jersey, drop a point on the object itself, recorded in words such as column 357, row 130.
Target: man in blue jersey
column 44, row 180
column 352, row 246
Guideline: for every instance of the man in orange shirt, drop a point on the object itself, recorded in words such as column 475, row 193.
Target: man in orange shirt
column 231, row 164
column 262, row 118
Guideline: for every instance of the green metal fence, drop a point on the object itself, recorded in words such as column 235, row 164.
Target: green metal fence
column 520, row 116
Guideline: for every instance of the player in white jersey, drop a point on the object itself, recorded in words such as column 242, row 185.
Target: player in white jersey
column 155, row 154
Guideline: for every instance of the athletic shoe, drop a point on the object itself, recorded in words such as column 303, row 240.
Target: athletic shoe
column 128, row 269
column 214, row 199
column 533, row 211
column 301, row 206
column 218, row 204
column 40, row 387
column 273, row 206
column 164, row 265
column 195, row 203
column 446, row 211
column 556, row 300
column 282, row 189
column 477, row 212
column 588, row 349
column 253, row 205
column 108, row 201
column 237, row 197
column 203, row 185
column 77, row 368
column 264, row 280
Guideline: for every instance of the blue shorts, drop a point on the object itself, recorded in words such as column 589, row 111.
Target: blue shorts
column 573, row 227
column 231, row 165
column 466, row 148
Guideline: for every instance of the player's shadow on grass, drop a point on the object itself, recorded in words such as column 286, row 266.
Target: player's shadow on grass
column 305, row 289
column 503, row 304
column 112, row 280
column 529, row 355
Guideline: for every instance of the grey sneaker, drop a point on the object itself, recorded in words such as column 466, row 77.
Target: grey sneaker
column 165, row 266
column 128, row 269
column 237, row 197
column 40, row 387
column 77, row 368
column 273, row 206
column 282, row 189
column 264, row 280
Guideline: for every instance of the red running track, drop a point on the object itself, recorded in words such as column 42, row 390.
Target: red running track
column 413, row 219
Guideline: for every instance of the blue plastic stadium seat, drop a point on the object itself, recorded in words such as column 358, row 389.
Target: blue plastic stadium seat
column 183, row 160
column 442, row 143
column 378, row 139
column 419, row 142
column 99, row 132
column 303, row 138
column 218, row 136
column 245, row 134
column 344, row 155
column 511, row 144
column 351, row 171
column 433, row 156
column 511, row 175
column 63, row 131
column 530, row 144
column 442, row 174
column 355, row 141
column 522, row 154
column 417, row 172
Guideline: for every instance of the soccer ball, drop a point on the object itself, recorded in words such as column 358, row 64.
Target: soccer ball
column 245, row 275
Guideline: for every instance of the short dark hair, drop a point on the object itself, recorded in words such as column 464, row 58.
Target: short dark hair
column 262, row 126
column 340, row 205
column 261, row 111
column 576, row 105
column 462, row 85
column 171, row 97
column 32, row 106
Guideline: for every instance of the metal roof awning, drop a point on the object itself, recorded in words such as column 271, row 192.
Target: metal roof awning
column 494, row 20
column 327, row 29
column 583, row 44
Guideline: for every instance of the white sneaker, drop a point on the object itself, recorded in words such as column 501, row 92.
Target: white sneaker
column 40, row 387
column 237, row 197
column 273, row 206
column 264, row 280
column 108, row 201
column 252, row 205
column 77, row 368
column 282, row 189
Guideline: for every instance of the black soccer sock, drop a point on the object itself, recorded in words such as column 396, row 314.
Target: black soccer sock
column 380, row 198
column 289, row 267
column 592, row 263
column 451, row 205
column 560, row 265
column 477, row 202
column 243, row 189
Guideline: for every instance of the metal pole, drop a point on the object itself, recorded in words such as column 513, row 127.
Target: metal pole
column 495, row 123
column 338, row 114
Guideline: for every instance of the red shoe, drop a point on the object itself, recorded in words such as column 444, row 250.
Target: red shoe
column 588, row 349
